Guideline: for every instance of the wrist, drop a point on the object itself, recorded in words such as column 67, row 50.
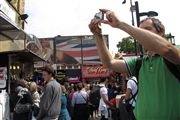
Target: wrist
column 98, row 35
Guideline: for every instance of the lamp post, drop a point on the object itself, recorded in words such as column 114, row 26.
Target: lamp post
column 138, row 15
column 132, row 9
column 135, row 8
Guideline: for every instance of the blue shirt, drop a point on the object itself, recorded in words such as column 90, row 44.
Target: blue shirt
column 80, row 97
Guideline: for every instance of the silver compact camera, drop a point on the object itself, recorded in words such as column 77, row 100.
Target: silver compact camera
column 99, row 16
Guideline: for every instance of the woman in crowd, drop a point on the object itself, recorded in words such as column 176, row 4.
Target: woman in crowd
column 79, row 102
column 64, row 114
column 35, row 98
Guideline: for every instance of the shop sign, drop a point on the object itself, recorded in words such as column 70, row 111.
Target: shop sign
column 95, row 71
column 3, row 77
column 60, row 74
column 7, row 10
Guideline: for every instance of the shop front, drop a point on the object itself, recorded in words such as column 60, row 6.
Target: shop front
column 16, row 60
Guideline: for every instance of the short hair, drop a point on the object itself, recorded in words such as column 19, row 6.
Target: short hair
column 156, row 23
column 102, row 80
column 79, row 86
column 49, row 70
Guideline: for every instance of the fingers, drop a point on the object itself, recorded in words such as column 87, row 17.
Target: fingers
column 109, row 14
column 95, row 27
column 104, row 10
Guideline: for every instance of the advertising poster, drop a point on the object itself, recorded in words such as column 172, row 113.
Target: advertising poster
column 77, row 50
column 47, row 49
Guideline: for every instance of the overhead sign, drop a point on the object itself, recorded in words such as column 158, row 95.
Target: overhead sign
column 95, row 71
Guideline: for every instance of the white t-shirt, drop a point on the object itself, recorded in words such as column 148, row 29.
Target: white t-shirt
column 133, row 86
column 102, row 105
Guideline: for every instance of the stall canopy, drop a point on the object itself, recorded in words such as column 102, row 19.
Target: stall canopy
column 14, row 40
column 24, row 55
column 9, row 31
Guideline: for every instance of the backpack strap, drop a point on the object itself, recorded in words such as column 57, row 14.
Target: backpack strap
column 129, row 71
column 133, row 96
column 137, row 67
column 174, row 69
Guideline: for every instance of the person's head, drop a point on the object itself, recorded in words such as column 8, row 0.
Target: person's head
column 47, row 73
column 33, row 87
column 154, row 25
column 18, row 89
column 103, row 81
column 80, row 86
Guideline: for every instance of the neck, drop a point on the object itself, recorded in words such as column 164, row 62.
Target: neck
column 50, row 79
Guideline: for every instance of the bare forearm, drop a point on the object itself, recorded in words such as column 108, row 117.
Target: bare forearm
column 103, row 51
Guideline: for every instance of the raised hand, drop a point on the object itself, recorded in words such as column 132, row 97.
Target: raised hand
column 112, row 19
column 94, row 26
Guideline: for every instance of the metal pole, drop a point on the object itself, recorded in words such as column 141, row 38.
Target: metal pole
column 137, row 13
column 54, row 45
column 81, row 57
column 132, row 15
column 138, row 23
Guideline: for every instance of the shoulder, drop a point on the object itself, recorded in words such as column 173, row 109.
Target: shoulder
column 103, row 90
column 131, row 82
column 130, row 60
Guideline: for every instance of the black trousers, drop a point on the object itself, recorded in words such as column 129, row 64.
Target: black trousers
column 103, row 118
column 81, row 112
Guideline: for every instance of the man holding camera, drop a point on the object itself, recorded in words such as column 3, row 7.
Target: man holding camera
column 156, row 99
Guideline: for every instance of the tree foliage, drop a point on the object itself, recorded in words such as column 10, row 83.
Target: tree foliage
column 126, row 45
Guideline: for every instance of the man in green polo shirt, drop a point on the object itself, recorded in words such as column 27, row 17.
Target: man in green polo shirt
column 158, row 97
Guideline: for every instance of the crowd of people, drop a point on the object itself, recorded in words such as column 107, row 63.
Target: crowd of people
column 51, row 100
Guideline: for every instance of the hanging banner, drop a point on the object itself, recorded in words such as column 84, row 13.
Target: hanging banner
column 95, row 71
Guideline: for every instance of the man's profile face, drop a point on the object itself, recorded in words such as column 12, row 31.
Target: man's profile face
column 148, row 25
column 46, row 76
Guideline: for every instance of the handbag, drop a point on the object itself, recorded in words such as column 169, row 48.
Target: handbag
column 89, row 104
column 22, row 108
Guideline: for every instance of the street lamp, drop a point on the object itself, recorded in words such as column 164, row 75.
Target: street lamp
column 132, row 9
column 135, row 8
column 138, row 15
column 149, row 14
column 171, row 38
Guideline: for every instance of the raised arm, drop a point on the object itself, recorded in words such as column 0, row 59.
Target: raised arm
column 149, row 40
column 105, row 56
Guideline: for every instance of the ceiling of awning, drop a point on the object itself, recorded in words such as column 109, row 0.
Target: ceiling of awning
column 24, row 56
column 10, row 31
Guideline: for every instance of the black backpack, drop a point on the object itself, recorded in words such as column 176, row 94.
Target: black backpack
column 174, row 69
column 95, row 97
